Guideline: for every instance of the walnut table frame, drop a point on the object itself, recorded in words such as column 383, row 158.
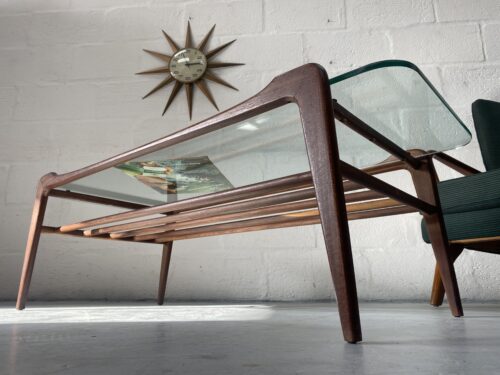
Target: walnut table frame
column 332, row 192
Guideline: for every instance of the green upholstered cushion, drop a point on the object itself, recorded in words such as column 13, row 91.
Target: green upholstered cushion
column 470, row 193
column 472, row 224
column 471, row 206
column 486, row 115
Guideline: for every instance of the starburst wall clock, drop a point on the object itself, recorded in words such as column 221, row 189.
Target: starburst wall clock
column 189, row 66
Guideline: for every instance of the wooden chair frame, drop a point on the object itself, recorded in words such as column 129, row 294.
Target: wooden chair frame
column 331, row 193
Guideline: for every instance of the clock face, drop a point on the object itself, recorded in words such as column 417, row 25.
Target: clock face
column 188, row 65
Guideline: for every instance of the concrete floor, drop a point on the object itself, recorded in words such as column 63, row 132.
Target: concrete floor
column 140, row 338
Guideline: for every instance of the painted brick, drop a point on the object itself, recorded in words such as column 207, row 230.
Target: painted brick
column 465, row 10
column 388, row 13
column 68, row 97
column 146, row 22
column 262, row 52
column 7, row 103
column 14, row 30
column 28, row 65
column 30, row 139
column 491, row 37
column 123, row 99
column 109, row 60
column 4, row 172
column 56, row 102
column 345, row 49
column 293, row 15
column 463, row 85
column 231, row 17
column 107, row 4
column 11, row 264
column 292, row 267
column 66, row 27
column 438, row 43
column 26, row 6
column 21, row 185
column 90, row 141
column 190, row 261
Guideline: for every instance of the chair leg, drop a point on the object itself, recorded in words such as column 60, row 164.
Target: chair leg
column 31, row 247
column 165, row 264
column 425, row 181
column 437, row 295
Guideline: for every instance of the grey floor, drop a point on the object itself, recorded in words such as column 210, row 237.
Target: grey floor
column 140, row 338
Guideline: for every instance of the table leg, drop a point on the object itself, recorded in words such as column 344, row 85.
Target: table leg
column 322, row 149
column 31, row 246
column 165, row 264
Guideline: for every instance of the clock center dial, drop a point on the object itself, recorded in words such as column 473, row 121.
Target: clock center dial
column 188, row 65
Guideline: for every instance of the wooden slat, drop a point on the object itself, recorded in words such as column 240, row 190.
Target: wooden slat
column 131, row 229
column 149, row 233
column 381, row 212
column 201, row 224
column 296, row 220
column 78, row 233
column 297, row 181
column 239, row 226
column 207, row 212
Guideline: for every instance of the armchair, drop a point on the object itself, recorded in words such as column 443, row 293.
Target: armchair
column 471, row 204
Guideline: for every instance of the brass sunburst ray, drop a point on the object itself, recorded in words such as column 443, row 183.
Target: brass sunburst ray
column 215, row 78
column 203, row 43
column 172, row 96
column 171, row 42
column 189, row 38
column 161, row 56
column 219, row 49
column 215, row 65
column 155, row 71
column 204, row 89
column 189, row 97
column 162, row 84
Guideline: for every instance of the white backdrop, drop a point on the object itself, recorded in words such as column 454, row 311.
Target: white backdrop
column 69, row 97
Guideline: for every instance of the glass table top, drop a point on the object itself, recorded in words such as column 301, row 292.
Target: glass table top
column 392, row 96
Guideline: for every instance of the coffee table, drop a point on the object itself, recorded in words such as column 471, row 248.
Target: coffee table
column 288, row 156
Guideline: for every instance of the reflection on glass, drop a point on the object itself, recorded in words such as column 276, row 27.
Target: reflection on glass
column 391, row 97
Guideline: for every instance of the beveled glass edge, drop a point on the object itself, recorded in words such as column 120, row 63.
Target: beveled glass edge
column 405, row 64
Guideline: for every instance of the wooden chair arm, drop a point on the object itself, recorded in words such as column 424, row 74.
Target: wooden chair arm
column 455, row 164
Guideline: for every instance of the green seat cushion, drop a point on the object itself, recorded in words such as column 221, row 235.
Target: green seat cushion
column 486, row 115
column 472, row 224
column 470, row 193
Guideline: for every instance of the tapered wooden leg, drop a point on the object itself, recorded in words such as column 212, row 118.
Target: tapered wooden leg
column 31, row 247
column 165, row 264
column 322, row 150
column 425, row 181
column 437, row 295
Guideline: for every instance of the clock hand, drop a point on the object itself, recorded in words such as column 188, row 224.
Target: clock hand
column 196, row 63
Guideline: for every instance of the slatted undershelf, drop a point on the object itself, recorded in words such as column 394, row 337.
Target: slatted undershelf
column 280, row 203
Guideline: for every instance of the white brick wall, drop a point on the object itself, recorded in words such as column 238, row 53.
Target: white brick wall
column 69, row 97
